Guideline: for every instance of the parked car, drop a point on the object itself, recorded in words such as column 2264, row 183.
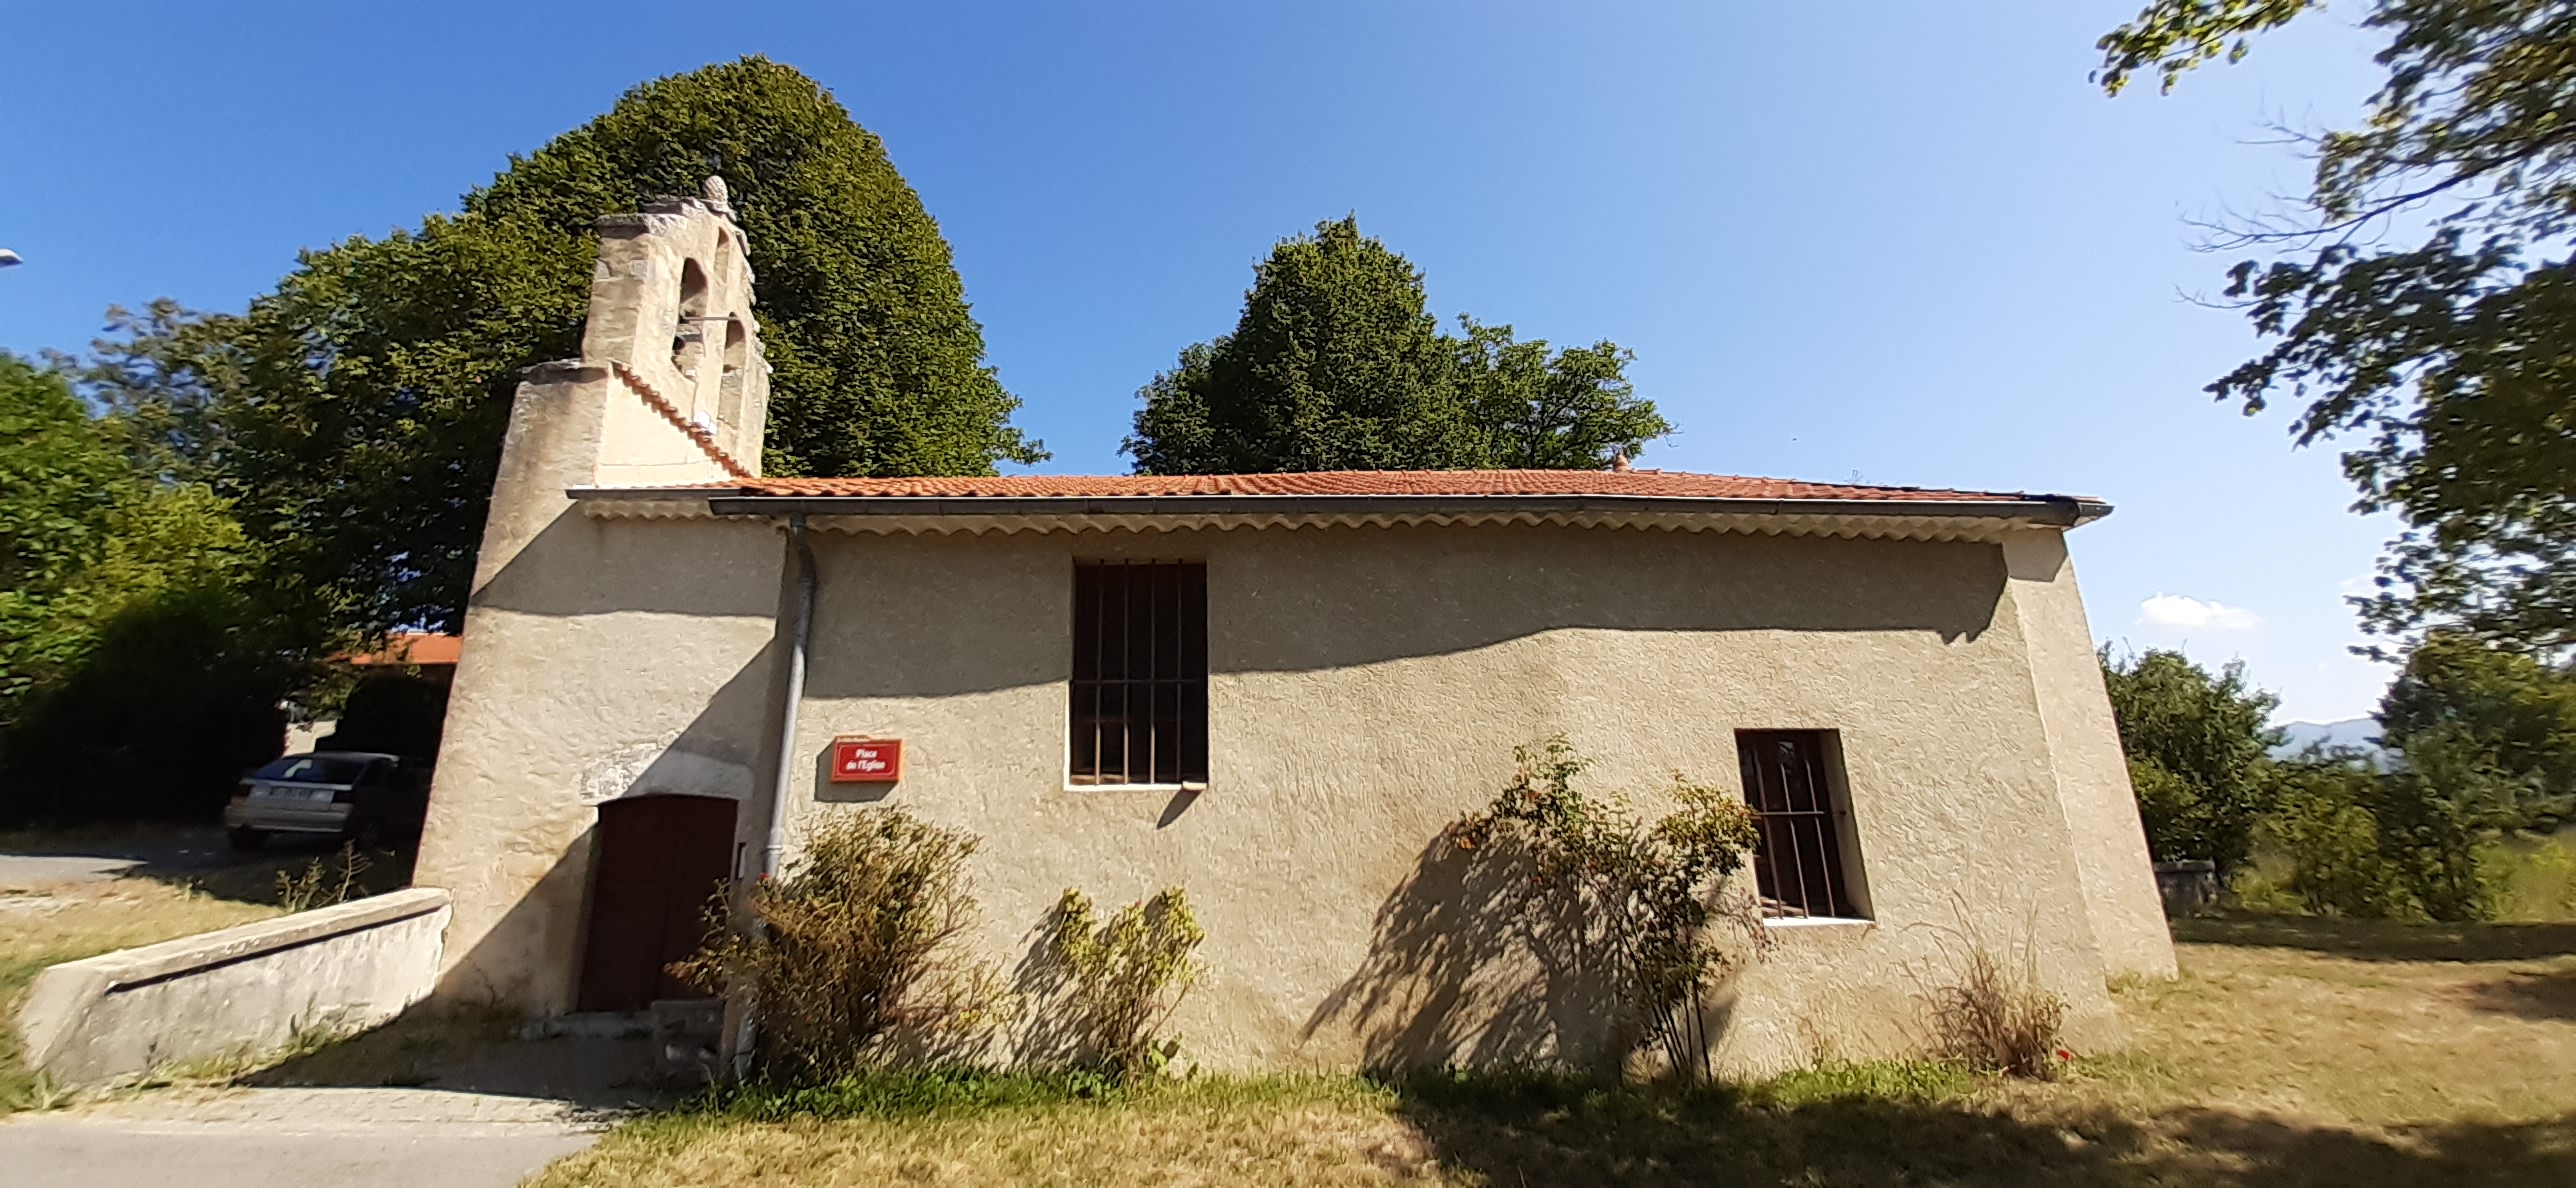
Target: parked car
column 366, row 797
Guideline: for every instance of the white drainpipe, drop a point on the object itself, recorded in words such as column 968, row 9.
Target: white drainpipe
column 801, row 554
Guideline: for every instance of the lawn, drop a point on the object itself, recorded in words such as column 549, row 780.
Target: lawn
column 2290, row 1052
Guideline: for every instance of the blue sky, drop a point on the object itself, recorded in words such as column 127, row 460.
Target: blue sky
column 1904, row 242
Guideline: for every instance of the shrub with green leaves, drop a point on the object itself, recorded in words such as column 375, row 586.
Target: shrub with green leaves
column 855, row 956
column 142, row 656
column 1118, row 981
column 1635, row 897
column 2404, row 844
column 2198, row 748
column 2323, row 826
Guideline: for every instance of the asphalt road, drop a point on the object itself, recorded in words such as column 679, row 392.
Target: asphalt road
column 290, row 1138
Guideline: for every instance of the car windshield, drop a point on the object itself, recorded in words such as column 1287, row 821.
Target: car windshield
column 312, row 769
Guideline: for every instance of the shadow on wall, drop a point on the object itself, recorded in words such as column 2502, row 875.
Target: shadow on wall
column 990, row 612
column 1473, row 963
column 580, row 566
column 1052, row 1035
column 514, row 965
column 527, row 957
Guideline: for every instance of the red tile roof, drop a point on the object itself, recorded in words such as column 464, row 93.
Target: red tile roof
column 1636, row 483
column 415, row 647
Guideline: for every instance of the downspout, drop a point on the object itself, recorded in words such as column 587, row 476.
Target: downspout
column 803, row 552
column 745, row 1021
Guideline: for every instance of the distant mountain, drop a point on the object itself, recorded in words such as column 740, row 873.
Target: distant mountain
column 2360, row 734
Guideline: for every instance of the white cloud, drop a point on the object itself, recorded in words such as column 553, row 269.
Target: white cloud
column 2187, row 613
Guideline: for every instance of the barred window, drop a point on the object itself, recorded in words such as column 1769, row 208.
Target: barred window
column 1139, row 712
column 1794, row 791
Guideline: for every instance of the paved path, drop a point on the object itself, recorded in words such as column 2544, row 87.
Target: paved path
column 291, row 1138
column 20, row 872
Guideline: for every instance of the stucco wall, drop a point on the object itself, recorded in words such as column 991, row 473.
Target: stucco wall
column 606, row 659
column 237, row 991
column 2084, row 746
column 1368, row 686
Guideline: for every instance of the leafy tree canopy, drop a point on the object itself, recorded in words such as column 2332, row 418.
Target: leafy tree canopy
column 2500, row 720
column 2199, row 753
column 138, row 671
column 354, row 415
column 2448, row 360
column 1337, row 364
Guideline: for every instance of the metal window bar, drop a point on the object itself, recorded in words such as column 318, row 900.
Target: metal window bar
column 1139, row 688
column 1797, row 858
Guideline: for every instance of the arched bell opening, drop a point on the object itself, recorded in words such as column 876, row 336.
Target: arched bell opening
column 688, row 338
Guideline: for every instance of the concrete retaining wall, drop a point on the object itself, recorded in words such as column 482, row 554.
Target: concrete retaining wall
column 237, row 991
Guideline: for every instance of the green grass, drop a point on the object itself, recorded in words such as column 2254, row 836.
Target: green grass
column 968, row 1092
column 2535, row 878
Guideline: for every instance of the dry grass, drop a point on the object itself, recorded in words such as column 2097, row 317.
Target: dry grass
column 43, row 925
column 2289, row 1053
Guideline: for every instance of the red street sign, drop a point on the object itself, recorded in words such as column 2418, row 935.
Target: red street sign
column 867, row 760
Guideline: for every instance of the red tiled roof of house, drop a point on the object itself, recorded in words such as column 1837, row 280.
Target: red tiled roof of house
column 415, row 647
column 1634, row 483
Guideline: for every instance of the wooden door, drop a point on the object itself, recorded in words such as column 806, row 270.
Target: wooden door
column 661, row 861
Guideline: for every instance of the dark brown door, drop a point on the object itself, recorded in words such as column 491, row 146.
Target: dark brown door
column 661, row 861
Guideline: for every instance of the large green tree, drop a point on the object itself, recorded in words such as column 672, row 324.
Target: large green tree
column 354, row 415
column 2463, row 705
column 2422, row 301
column 1338, row 364
column 2199, row 754
column 141, row 662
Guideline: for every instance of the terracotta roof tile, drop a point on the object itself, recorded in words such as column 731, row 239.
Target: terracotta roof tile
column 415, row 647
column 1640, row 483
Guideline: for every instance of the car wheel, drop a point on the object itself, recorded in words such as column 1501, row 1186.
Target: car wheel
column 246, row 838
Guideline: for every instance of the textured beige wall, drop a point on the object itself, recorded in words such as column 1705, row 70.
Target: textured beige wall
column 2092, row 771
column 1369, row 686
column 606, row 659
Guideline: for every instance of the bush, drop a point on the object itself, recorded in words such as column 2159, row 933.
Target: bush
column 398, row 713
column 2432, row 847
column 2406, row 844
column 2332, row 842
column 853, row 956
column 1638, row 896
column 1998, row 1018
column 319, row 886
column 2198, row 751
column 1120, row 980
column 142, row 652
